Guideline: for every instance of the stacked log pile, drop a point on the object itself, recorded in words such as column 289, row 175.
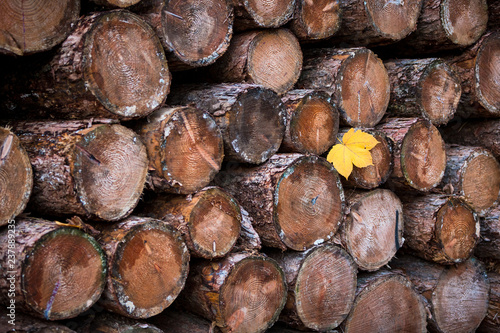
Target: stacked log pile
column 163, row 166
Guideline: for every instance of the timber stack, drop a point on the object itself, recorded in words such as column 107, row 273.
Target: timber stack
column 165, row 166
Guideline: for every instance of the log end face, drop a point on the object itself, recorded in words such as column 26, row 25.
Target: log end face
column 487, row 74
column 315, row 20
column 464, row 21
column 394, row 19
column 270, row 13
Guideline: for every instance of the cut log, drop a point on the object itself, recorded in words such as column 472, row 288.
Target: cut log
column 250, row 117
column 440, row 228
column 241, row 293
column 312, row 122
column 491, row 323
column 148, row 264
column 426, row 88
column 116, row 3
column 112, row 323
column 96, row 171
column 16, row 321
column 356, row 78
column 179, row 321
column 185, row 149
column 51, row 271
column 386, row 302
column 374, row 175
column 194, row 32
column 209, row 221
column 321, row 286
column 35, row 26
column 489, row 246
column 374, row 23
column 95, row 73
column 16, row 176
column 478, row 70
column 372, row 231
column 251, row 14
column 271, row 58
column 249, row 239
column 419, row 154
column 457, row 296
column 474, row 174
column 314, row 20
column 296, row 201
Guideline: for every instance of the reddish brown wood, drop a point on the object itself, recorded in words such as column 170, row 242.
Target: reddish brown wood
column 251, row 14
column 314, row 20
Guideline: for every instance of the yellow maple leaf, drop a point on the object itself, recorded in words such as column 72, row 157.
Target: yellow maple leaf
column 353, row 149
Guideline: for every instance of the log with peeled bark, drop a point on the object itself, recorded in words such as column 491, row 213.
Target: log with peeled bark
column 491, row 323
column 296, row 201
column 250, row 117
column 51, row 271
column 372, row 231
column 356, row 78
column 209, row 220
column 314, row 20
column 252, row 14
column 386, row 302
column 426, row 88
column 193, row 32
column 185, row 148
column 94, row 73
column 35, row 26
column 321, row 286
column 456, row 296
column 375, row 23
column 271, row 58
column 477, row 68
column 312, row 122
column 95, row 170
column 16, row 176
column 440, row 228
column 419, row 154
column 113, row 323
column 473, row 173
column 489, row 245
column 148, row 264
column 243, row 292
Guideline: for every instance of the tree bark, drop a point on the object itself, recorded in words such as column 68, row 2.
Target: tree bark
column 148, row 264
column 249, row 239
column 185, row 148
column 440, row 228
column 241, row 293
column 491, row 323
column 321, row 286
column 16, row 176
column 94, row 73
column 271, row 58
column 426, row 88
column 50, row 271
column 250, row 117
column 96, row 171
column 489, row 245
column 252, row 14
column 209, row 221
column 355, row 78
column 312, row 122
column 386, row 302
column 112, row 323
column 372, row 231
column 493, row 14
column 472, row 173
column 419, row 154
column 315, row 20
column 35, row 26
column 456, row 296
column 296, row 201
column 179, row 321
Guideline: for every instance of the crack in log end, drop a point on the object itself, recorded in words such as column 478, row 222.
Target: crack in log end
column 6, row 148
column 89, row 155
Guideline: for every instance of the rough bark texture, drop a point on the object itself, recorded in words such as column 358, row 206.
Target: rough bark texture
column 472, row 173
column 314, row 20
column 296, row 201
column 386, row 302
column 419, row 154
column 491, row 323
column 179, row 321
column 250, row 117
column 94, row 73
column 249, row 239
column 376, row 23
column 321, row 286
column 356, row 79
column 251, row 14
column 271, row 58
column 112, row 323
column 456, row 296
column 83, row 168
column 16, row 176
column 312, row 122
column 148, row 264
column 489, row 246
column 185, row 149
column 426, row 88
column 50, row 271
column 243, row 292
column 35, row 26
